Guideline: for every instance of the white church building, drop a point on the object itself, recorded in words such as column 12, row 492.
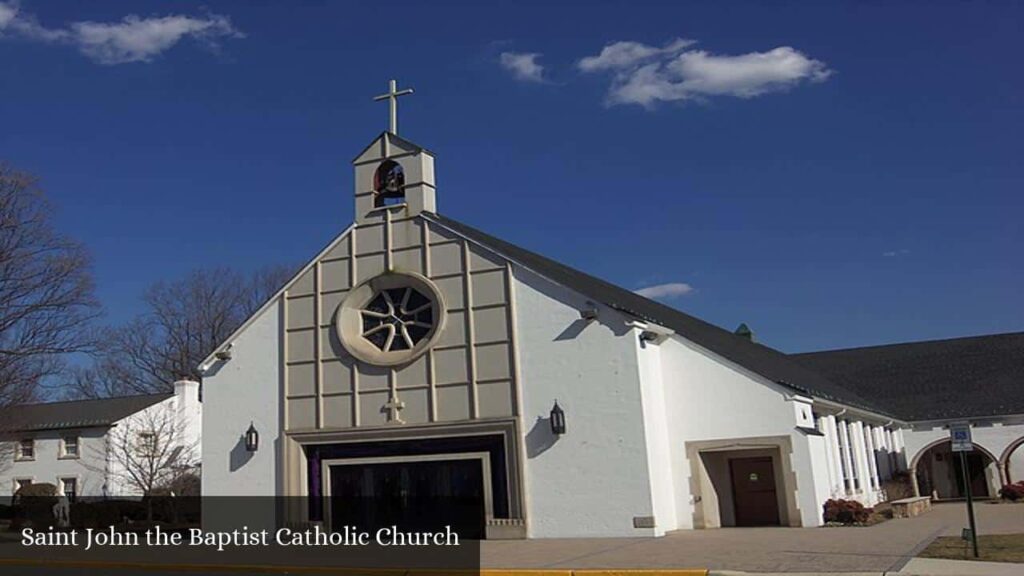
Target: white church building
column 413, row 367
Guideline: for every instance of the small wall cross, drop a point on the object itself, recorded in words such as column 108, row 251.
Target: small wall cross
column 393, row 406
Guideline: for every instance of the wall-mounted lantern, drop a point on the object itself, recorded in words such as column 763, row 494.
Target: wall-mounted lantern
column 557, row 420
column 649, row 336
column 252, row 438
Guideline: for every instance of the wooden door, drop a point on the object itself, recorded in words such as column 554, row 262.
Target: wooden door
column 753, row 491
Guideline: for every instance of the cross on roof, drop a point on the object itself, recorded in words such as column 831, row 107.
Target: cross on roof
column 392, row 96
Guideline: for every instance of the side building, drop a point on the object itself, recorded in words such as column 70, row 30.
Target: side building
column 931, row 385
column 91, row 448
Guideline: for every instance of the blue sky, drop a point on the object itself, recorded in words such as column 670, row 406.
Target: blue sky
column 833, row 175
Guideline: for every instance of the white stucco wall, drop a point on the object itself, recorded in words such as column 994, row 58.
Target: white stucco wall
column 49, row 467
column 236, row 393
column 180, row 416
column 708, row 398
column 593, row 480
column 656, row 432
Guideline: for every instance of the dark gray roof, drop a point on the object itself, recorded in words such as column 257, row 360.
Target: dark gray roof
column 935, row 380
column 757, row 358
column 73, row 414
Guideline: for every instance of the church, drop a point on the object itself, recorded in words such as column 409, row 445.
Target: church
column 420, row 368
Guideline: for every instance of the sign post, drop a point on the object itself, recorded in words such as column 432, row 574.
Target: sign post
column 960, row 439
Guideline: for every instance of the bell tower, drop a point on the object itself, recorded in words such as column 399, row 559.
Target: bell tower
column 393, row 172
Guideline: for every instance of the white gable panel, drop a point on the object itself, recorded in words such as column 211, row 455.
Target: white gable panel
column 593, row 481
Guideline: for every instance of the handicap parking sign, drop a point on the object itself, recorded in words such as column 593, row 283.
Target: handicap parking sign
column 960, row 438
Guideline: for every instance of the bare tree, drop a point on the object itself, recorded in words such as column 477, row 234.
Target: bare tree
column 147, row 451
column 46, row 291
column 185, row 321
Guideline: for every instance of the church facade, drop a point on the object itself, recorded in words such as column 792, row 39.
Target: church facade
column 420, row 367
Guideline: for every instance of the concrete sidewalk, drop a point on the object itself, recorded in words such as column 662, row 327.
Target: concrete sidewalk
column 939, row 567
column 886, row 547
column 916, row 567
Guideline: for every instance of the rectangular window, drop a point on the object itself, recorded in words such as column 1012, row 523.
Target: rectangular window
column 21, row 483
column 853, row 459
column 147, row 444
column 844, row 459
column 70, row 488
column 26, row 449
column 70, row 447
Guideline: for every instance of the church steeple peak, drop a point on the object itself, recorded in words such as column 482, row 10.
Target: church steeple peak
column 392, row 173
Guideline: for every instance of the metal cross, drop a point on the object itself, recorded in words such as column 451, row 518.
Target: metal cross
column 393, row 406
column 392, row 96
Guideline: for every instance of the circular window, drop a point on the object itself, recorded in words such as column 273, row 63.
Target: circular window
column 390, row 319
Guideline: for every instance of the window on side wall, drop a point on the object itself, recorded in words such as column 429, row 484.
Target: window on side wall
column 26, row 449
column 69, row 447
column 69, row 486
column 147, row 444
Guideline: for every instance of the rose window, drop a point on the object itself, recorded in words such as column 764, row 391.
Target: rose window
column 390, row 319
column 397, row 319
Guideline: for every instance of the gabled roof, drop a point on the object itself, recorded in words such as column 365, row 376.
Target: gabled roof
column 767, row 362
column 965, row 378
column 75, row 413
column 394, row 140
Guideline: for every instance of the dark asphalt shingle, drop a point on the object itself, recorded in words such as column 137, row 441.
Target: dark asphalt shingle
column 74, row 414
column 978, row 376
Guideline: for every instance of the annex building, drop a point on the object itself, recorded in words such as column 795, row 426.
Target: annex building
column 101, row 447
column 420, row 368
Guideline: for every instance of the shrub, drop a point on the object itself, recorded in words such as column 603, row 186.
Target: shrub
column 103, row 513
column 33, row 506
column 899, row 486
column 1012, row 492
column 37, row 489
column 838, row 511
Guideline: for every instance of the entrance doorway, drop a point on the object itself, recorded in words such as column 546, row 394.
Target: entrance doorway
column 753, row 491
column 418, row 495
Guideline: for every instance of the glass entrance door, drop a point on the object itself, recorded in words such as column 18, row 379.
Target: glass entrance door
column 412, row 495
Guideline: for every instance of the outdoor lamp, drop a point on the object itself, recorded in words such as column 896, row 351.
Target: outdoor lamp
column 557, row 420
column 252, row 438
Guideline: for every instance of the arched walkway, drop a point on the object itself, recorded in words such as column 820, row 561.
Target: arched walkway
column 938, row 471
column 1013, row 461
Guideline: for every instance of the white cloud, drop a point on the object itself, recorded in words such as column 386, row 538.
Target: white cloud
column 894, row 253
column 670, row 290
column 7, row 14
column 619, row 55
column 523, row 66
column 133, row 39
column 646, row 75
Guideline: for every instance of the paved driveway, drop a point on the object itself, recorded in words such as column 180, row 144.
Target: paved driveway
column 885, row 546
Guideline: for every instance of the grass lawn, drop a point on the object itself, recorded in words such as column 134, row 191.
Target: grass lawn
column 993, row 548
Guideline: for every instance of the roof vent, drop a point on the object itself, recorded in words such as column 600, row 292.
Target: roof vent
column 745, row 331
